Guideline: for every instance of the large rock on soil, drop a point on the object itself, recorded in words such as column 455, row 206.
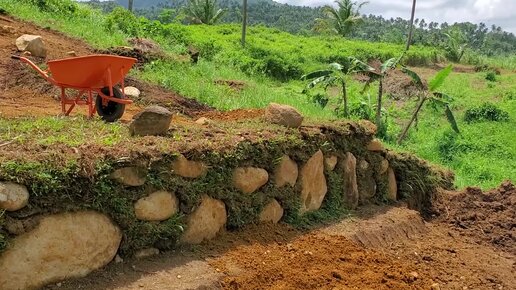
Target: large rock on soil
column 392, row 186
column 62, row 246
column 158, row 206
column 366, row 182
column 283, row 115
column 131, row 176
column 205, row 222
column 349, row 177
column 272, row 212
column 153, row 120
column 286, row 172
column 249, row 179
column 313, row 183
column 189, row 169
column 13, row 196
column 33, row 44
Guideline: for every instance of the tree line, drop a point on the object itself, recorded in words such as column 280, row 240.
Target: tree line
column 488, row 40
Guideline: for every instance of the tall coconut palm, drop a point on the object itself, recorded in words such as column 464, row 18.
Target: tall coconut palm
column 343, row 18
column 204, row 11
column 130, row 5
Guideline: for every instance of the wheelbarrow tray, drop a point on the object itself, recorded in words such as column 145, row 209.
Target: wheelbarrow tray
column 90, row 72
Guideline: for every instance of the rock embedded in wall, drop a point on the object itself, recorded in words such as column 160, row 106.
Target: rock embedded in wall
column 205, row 222
column 286, row 172
column 61, row 246
column 272, row 212
column 349, row 175
column 313, row 183
column 158, row 206
column 249, row 179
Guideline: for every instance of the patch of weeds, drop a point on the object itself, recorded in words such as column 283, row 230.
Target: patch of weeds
column 451, row 145
column 490, row 76
column 486, row 112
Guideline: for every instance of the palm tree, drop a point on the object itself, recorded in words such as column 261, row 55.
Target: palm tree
column 244, row 21
column 204, row 11
column 345, row 17
column 130, row 5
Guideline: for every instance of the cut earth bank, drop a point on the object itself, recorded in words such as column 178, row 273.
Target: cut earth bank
column 71, row 210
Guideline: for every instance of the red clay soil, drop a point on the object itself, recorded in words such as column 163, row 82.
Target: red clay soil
column 316, row 262
column 24, row 93
column 488, row 217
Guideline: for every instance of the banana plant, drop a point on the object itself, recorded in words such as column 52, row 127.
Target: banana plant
column 438, row 99
column 390, row 64
column 336, row 74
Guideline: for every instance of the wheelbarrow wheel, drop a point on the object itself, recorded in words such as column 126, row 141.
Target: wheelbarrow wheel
column 112, row 111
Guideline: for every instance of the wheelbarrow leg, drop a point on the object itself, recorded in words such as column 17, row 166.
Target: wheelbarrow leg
column 63, row 99
column 91, row 107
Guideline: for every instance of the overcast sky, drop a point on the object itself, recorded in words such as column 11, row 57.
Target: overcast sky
column 499, row 12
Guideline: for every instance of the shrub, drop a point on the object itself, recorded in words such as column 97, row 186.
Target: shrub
column 485, row 112
column 450, row 145
column 491, row 76
column 55, row 6
column 123, row 20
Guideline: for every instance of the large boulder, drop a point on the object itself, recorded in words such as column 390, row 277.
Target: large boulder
column 392, row 186
column 153, row 120
column 33, row 44
column 286, row 172
column 189, row 169
column 13, row 196
column 249, row 179
column 366, row 182
column 283, row 115
column 158, row 206
column 313, row 183
column 131, row 176
column 62, row 246
column 272, row 212
column 349, row 173
column 205, row 222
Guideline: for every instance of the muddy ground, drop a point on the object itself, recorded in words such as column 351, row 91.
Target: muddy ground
column 387, row 247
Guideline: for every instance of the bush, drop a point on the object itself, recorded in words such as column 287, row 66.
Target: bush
column 486, row 112
column 55, row 6
column 450, row 145
column 491, row 76
column 123, row 20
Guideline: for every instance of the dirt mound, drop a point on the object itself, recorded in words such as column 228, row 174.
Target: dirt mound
column 489, row 217
column 235, row 115
column 315, row 262
column 400, row 86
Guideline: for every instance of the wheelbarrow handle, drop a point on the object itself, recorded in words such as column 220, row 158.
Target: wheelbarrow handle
column 44, row 74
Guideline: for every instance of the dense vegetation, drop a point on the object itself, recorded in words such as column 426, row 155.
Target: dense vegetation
column 478, row 38
column 270, row 66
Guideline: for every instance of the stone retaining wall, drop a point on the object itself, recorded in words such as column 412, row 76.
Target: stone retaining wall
column 139, row 207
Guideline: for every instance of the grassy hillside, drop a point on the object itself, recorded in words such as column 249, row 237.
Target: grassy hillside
column 483, row 154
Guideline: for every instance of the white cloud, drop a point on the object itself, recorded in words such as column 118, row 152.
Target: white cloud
column 499, row 12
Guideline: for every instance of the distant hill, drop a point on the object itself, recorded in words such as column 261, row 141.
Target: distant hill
column 143, row 4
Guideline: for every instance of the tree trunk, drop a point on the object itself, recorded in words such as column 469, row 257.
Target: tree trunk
column 414, row 116
column 244, row 22
column 345, row 99
column 411, row 29
column 379, row 105
column 130, row 5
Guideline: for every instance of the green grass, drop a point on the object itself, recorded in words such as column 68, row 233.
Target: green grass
column 71, row 131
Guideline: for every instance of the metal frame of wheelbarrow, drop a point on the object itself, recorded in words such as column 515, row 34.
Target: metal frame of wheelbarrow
column 89, row 87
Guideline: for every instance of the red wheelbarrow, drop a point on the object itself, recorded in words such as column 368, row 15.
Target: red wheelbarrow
column 90, row 74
